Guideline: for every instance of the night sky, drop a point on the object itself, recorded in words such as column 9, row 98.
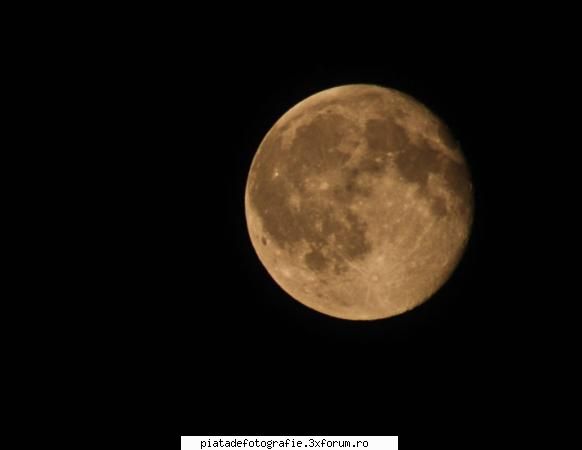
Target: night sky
column 135, row 135
column 243, row 356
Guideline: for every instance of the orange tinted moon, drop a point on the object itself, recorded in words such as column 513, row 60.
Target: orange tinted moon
column 359, row 202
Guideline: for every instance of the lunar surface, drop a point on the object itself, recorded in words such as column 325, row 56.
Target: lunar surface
column 359, row 202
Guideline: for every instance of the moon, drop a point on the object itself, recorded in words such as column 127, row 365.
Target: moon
column 359, row 202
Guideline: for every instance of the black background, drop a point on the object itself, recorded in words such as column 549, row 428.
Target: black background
column 239, row 355
column 162, row 308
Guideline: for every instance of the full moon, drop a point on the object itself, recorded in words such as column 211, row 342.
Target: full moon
column 359, row 202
